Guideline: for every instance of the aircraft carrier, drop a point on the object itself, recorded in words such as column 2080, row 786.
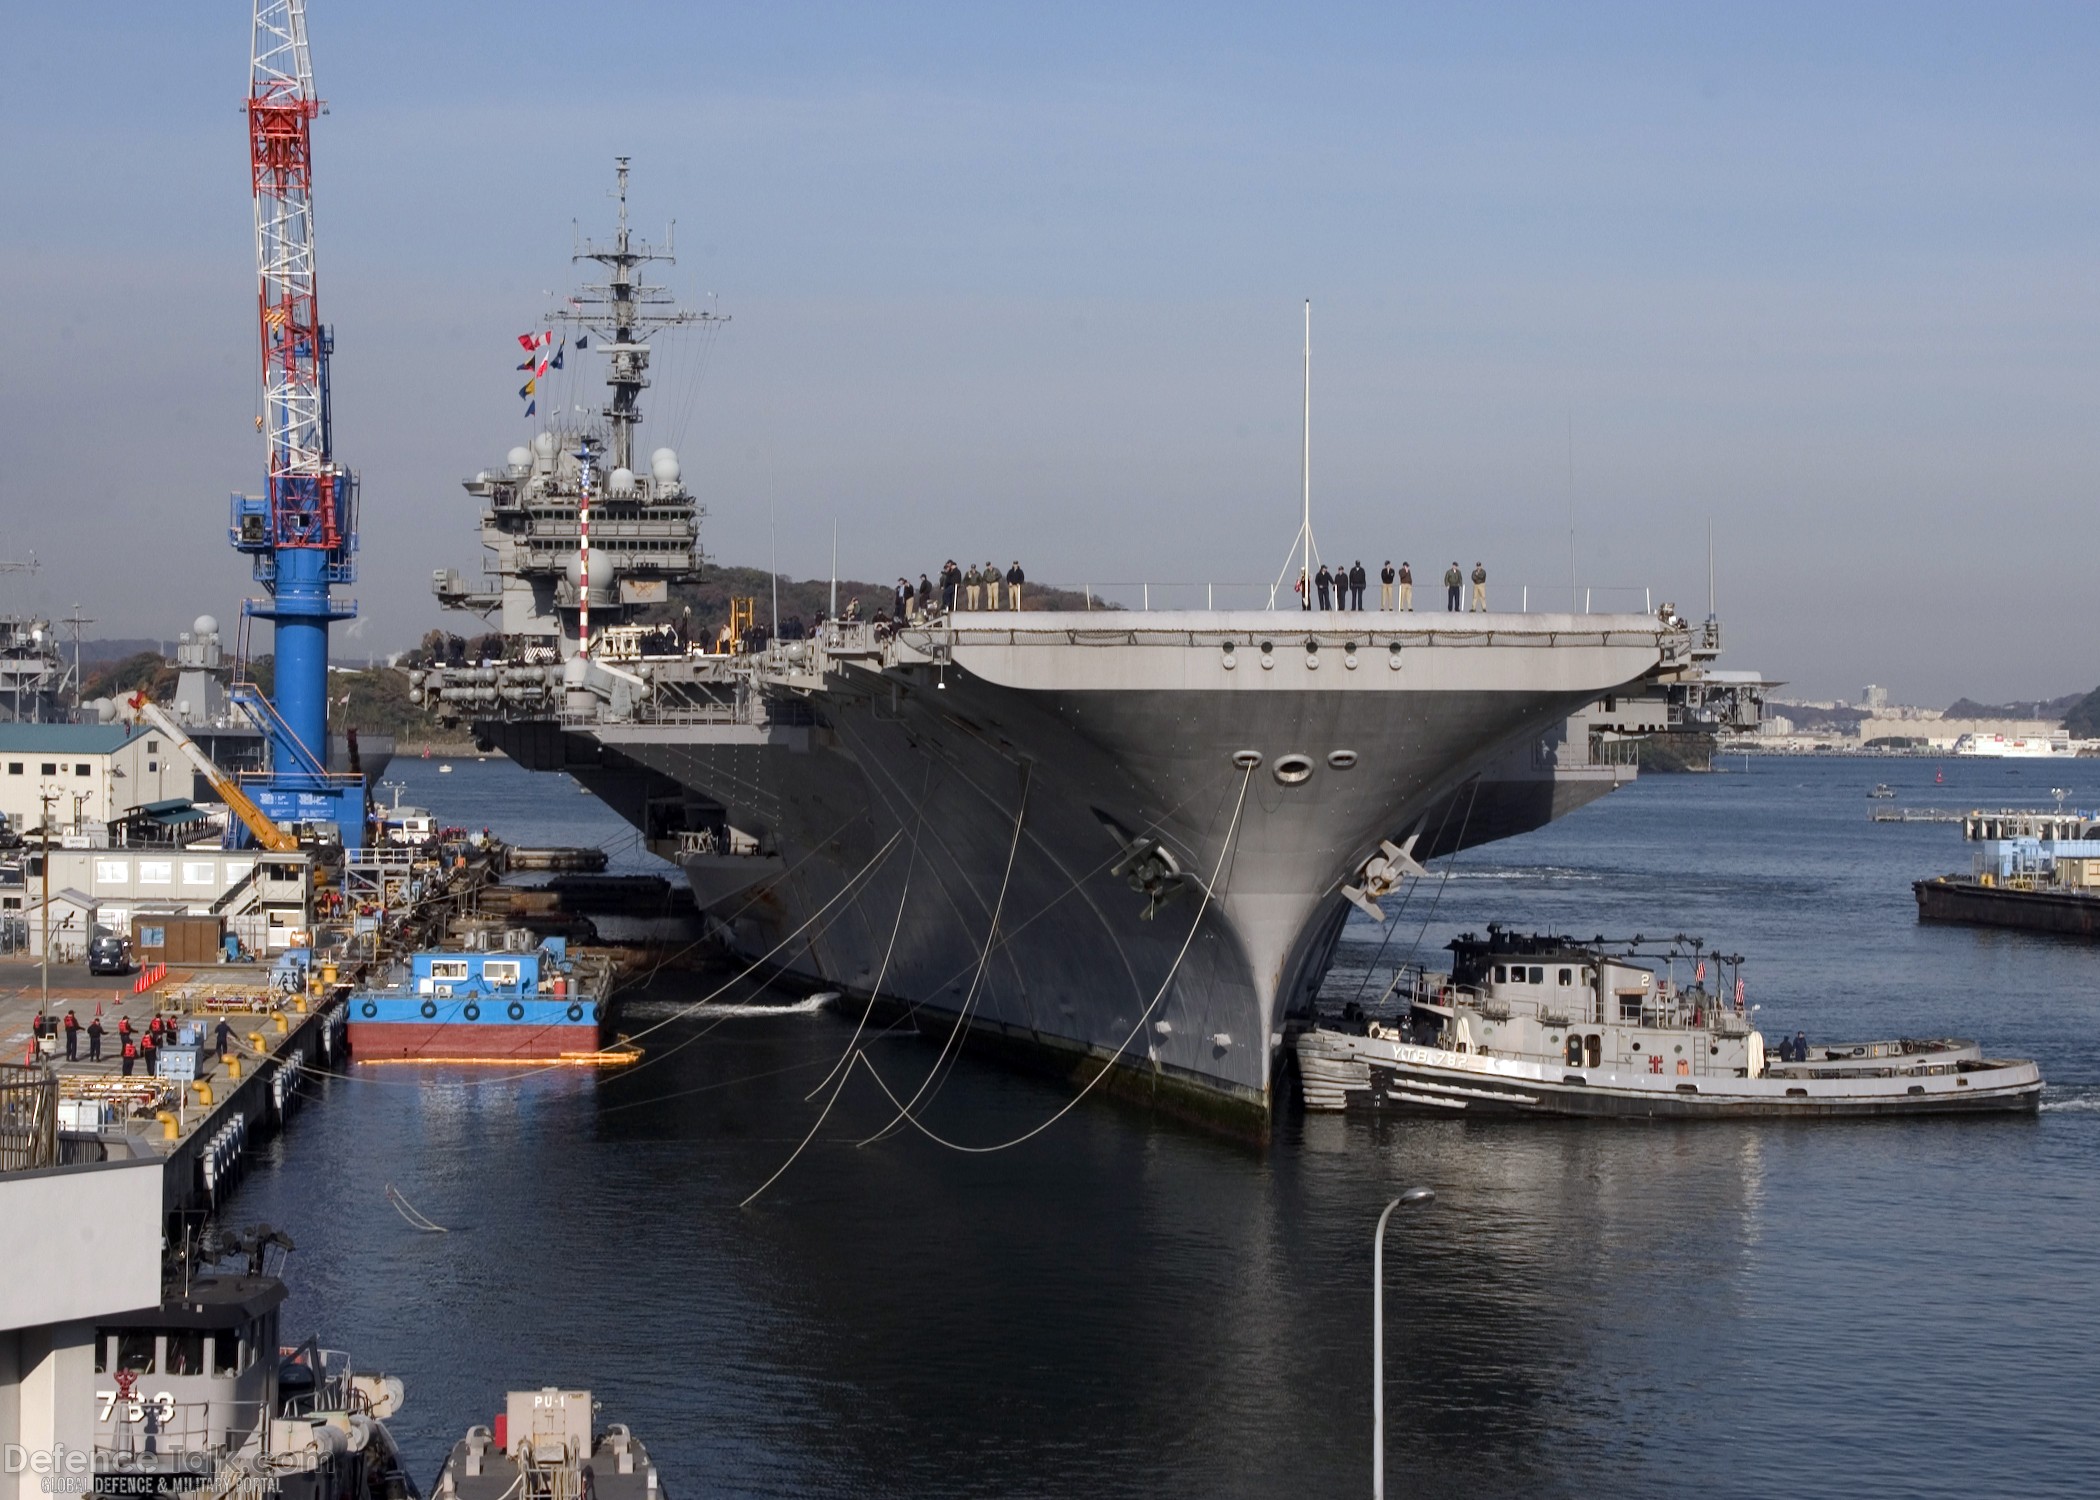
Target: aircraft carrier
column 1099, row 837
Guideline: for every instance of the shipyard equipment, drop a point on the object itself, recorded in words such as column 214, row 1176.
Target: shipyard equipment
column 260, row 827
column 301, row 532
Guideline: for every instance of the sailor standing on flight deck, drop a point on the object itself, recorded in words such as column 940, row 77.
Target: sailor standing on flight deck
column 1453, row 582
column 1014, row 579
column 1324, row 581
column 1407, row 588
column 1385, row 585
column 973, row 586
column 1356, row 584
column 1480, row 587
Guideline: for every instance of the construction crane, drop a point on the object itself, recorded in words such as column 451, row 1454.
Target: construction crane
column 302, row 531
column 259, row 824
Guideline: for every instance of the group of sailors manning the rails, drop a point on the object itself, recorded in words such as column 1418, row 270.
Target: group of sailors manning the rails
column 956, row 588
column 1343, row 588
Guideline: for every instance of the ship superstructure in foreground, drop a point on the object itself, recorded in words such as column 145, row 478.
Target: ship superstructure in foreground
column 1102, row 836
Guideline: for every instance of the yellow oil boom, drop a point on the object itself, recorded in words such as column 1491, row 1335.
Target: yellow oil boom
column 266, row 832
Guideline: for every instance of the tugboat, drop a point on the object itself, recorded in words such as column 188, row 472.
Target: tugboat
column 198, row 1395
column 1546, row 1025
column 1882, row 791
column 482, row 1005
column 543, row 1445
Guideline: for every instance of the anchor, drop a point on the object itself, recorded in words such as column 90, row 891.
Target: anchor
column 1381, row 873
column 1150, row 869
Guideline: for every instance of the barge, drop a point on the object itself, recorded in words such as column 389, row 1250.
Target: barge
column 1546, row 1025
column 2038, row 871
column 542, row 1003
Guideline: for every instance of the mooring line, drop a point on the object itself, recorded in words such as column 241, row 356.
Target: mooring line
column 991, row 941
column 1210, row 889
column 407, row 1210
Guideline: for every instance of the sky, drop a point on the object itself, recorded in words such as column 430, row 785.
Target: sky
column 1023, row 281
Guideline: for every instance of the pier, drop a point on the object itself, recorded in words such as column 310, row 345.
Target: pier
column 199, row 1114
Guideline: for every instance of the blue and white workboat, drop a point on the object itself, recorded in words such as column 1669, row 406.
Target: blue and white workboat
column 484, row 1005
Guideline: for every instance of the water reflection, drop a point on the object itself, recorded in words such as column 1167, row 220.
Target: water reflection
column 1124, row 1308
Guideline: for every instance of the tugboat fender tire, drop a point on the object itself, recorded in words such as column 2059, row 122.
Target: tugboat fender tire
column 430, row 1010
column 576, row 1013
column 472, row 1012
column 370, row 1009
column 516, row 1011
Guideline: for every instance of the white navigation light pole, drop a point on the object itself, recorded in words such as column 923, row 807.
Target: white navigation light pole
column 1305, row 461
column 1413, row 1197
column 1302, row 544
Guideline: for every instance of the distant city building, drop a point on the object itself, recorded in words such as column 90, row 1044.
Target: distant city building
column 1941, row 733
column 1778, row 726
column 1873, row 698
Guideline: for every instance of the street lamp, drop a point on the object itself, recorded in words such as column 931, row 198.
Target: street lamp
column 1414, row 1197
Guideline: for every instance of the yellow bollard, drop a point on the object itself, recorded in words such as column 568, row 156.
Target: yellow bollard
column 168, row 1128
column 299, row 1004
column 233, row 1066
column 202, row 1088
column 279, row 1022
column 255, row 1040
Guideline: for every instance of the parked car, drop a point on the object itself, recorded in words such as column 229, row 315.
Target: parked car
column 110, row 954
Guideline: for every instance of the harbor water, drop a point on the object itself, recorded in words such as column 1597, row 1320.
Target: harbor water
column 1122, row 1306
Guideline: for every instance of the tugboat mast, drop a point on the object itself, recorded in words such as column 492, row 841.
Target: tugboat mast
column 625, row 310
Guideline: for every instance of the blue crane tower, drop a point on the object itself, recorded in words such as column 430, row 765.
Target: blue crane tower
column 302, row 531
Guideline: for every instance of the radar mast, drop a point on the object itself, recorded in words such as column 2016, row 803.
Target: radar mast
column 623, row 311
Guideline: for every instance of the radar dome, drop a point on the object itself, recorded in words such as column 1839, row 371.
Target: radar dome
column 205, row 625
column 104, row 709
column 543, row 444
column 519, row 457
column 621, row 482
column 663, row 464
column 603, row 577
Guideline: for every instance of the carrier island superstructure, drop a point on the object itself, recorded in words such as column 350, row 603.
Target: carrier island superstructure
column 1097, row 837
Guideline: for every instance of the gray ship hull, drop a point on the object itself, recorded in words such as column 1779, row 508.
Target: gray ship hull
column 974, row 789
